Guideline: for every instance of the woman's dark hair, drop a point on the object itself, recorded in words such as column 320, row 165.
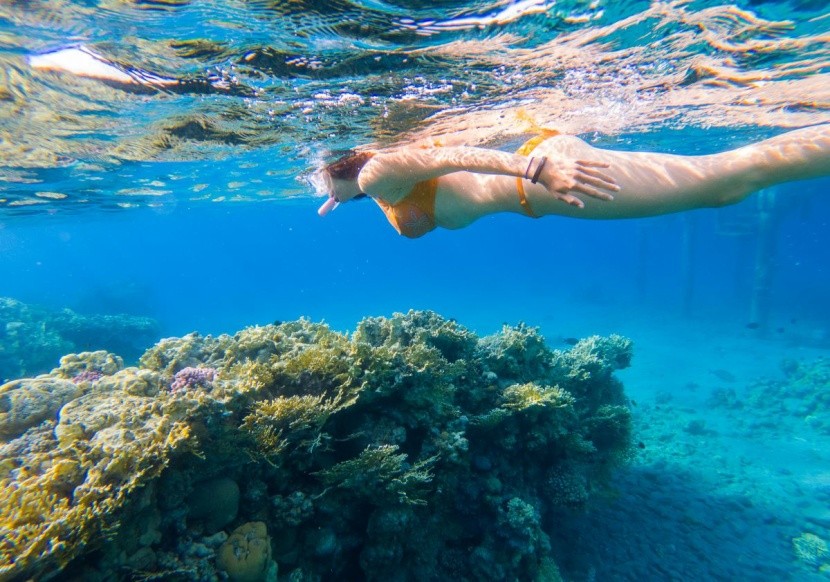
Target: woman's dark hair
column 349, row 166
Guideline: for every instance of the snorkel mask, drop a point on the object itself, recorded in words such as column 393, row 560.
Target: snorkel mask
column 339, row 181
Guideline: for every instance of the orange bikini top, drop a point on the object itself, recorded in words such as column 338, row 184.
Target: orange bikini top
column 414, row 214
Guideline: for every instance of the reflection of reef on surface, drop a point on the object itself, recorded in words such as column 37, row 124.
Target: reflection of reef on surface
column 412, row 449
column 32, row 339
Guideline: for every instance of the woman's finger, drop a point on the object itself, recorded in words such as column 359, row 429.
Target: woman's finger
column 601, row 175
column 572, row 200
column 582, row 177
column 592, row 164
column 593, row 192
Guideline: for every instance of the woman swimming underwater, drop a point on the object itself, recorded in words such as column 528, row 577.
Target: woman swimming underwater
column 420, row 189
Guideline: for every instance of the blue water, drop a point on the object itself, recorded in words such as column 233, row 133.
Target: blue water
column 723, row 504
column 217, row 268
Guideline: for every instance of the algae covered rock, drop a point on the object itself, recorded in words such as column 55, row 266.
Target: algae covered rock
column 27, row 402
column 410, row 449
column 94, row 364
column 66, row 481
column 811, row 549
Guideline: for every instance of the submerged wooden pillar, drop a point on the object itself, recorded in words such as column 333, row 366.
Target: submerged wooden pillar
column 765, row 248
column 687, row 246
column 642, row 262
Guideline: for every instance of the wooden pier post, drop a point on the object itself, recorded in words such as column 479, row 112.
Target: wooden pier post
column 765, row 249
column 687, row 263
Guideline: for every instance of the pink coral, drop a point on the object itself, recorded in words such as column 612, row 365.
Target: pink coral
column 87, row 376
column 189, row 378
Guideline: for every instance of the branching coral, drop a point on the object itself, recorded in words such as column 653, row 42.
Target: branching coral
column 586, row 370
column 517, row 352
column 316, row 368
column 62, row 499
column 193, row 378
column 529, row 395
column 294, row 420
column 381, row 474
column 418, row 328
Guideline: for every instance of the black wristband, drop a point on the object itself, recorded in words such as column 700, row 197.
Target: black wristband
column 538, row 171
column 527, row 171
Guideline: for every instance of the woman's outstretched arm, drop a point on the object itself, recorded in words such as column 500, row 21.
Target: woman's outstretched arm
column 392, row 175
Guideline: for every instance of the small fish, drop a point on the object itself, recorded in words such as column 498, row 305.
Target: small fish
column 753, row 325
column 571, row 341
column 641, row 445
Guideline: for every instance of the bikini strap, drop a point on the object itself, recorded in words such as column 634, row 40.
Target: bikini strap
column 525, row 150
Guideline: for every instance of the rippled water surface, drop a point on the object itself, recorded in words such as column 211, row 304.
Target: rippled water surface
column 275, row 87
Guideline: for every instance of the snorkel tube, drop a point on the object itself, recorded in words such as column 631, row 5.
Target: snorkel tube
column 323, row 186
column 328, row 206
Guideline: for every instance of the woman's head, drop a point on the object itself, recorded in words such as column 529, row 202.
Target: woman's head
column 339, row 180
column 348, row 167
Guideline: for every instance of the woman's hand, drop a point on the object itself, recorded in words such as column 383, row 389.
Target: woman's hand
column 563, row 177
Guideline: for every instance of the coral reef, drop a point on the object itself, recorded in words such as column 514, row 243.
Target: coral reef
column 33, row 338
column 410, row 449
column 802, row 393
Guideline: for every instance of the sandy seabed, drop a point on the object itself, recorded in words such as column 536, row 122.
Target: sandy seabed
column 724, row 487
